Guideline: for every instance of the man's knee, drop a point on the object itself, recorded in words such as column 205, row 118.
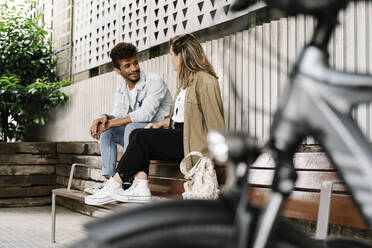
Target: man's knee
column 106, row 136
column 130, row 127
column 133, row 128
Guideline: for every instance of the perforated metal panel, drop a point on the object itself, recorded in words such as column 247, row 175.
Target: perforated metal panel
column 99, row 25
column 165, row 19
column 96, row 32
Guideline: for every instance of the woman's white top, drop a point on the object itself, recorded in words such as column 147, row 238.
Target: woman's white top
column 179, row 107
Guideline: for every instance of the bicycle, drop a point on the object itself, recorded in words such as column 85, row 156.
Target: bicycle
column 231, row 221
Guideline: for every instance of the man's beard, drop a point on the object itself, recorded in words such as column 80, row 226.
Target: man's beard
column 133, row 81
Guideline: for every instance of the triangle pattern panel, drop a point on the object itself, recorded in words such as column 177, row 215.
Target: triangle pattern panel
column 95, row 32
column 136, row 18
column 145, row 23
column 179, row 17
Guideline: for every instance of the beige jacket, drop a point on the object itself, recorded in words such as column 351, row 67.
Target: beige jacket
column 203, row 113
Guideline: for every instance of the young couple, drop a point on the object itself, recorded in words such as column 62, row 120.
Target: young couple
column 174, row 129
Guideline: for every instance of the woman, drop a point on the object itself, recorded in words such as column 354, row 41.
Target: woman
column 196, row 110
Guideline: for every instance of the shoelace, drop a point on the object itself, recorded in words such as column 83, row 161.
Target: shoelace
column 103, row 190
column 131, row 188
column 102, row 185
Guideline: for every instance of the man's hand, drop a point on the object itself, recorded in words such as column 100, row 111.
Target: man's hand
column 100, row 129
column 95, row 127
column 153, row 125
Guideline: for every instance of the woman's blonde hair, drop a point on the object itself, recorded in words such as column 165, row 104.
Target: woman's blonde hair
column 193, row 58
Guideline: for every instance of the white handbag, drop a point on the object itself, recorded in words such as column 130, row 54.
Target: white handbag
column 202, row 180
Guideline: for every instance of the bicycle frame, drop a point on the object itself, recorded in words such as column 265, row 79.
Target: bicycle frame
column 318, row 102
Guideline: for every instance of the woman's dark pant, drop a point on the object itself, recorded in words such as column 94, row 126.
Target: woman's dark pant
column 150, row 144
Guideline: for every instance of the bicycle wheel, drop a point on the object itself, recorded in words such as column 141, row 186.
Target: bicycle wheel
column 180, row 224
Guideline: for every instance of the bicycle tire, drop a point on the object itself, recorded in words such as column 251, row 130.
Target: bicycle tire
column 196, row 236
column 193, row 236
column 201, row 231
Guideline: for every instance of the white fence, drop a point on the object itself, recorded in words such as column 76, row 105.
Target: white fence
column 255, row 62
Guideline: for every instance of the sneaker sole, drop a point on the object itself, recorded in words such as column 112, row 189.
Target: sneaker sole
column 89, row 191
column 137, row 199
column 96, row 202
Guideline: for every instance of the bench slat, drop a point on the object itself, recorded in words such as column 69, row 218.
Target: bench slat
column 79, row 196
column 304, row 205
column 302, row 161
column 307, row 180
column 173, row 171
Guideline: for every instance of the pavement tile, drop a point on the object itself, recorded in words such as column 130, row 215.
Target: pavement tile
column 30, row 227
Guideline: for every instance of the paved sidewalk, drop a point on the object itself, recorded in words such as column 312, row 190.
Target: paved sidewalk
column 30, row 227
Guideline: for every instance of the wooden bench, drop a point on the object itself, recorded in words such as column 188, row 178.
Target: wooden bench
column 319, row 194
column 317, row 179
column 79, row 196
column 314, row 172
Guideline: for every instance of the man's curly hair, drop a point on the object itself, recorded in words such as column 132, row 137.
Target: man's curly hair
column 121, row 51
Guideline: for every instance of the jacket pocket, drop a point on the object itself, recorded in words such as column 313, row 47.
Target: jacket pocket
column 140, row 99
column 192, row 105
column 193, row 109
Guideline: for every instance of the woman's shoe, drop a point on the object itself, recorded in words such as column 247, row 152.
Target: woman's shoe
column 138, row 192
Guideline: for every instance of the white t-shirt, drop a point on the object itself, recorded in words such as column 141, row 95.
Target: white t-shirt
column 132, row 96
column 179, row 106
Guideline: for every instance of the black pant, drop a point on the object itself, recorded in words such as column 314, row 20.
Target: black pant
column 150, row 144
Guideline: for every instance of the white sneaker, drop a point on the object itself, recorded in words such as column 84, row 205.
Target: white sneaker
column 138, row 192
column 102, row 196
column 93, row 190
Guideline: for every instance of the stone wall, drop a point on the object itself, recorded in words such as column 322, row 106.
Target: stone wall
column 30, row 170
column 27, row 173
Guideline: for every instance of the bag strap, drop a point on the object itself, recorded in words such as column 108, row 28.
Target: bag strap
column 194, row 153
column 183, row 166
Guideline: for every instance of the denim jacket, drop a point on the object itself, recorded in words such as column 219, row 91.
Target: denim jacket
column 153, row 99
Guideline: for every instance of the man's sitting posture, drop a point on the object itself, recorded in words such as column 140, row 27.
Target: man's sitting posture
column 143, row 97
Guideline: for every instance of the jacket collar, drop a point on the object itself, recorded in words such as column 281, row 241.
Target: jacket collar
column 140, row 85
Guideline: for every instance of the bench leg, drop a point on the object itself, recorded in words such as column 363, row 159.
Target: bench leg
column 323, row 211
column 53, row 234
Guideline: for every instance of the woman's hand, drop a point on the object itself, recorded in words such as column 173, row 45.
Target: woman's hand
column 162, row 124
column 153, row 125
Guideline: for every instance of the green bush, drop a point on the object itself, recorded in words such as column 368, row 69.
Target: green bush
column 22, row 106
column 25, row 51
column 28, row 81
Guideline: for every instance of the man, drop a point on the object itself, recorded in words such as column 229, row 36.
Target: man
column 143, row 97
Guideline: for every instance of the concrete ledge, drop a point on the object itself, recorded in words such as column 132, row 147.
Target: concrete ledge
column 85, row 148
column 25, row 202
column 28, row 147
